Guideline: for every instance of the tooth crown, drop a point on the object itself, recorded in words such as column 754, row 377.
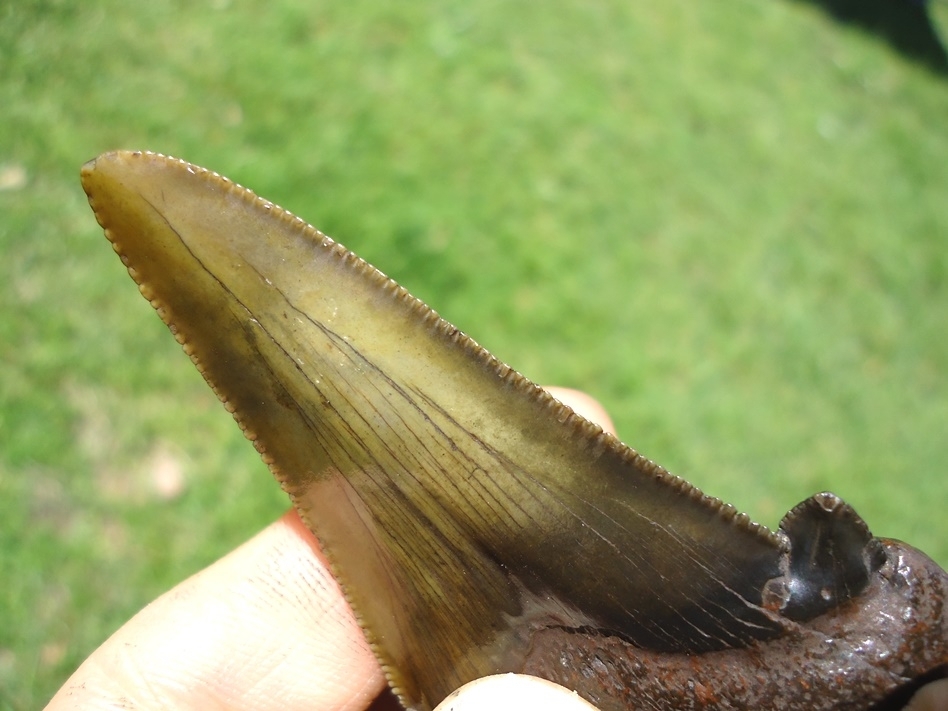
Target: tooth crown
column 464, row 509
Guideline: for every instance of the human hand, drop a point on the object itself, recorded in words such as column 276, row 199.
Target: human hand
column 267, row 627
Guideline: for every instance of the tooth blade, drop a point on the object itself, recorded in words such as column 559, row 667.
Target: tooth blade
column 461, row 505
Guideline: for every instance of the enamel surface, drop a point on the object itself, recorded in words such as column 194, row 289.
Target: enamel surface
column 464, row 508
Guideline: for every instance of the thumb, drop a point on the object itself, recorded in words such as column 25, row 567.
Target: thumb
column 513, row 692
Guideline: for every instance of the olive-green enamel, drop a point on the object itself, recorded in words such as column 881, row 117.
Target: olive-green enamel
column 461, row 505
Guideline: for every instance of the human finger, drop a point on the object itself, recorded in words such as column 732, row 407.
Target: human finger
column 932, row 697
column 513, row 692
column 585, row 405
column 266, row 627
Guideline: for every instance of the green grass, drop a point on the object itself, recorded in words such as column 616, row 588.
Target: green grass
column 727, row 221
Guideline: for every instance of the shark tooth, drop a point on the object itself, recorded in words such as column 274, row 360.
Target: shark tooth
column 475, row 523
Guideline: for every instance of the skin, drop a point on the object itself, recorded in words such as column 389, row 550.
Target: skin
column 933, row 697
column 267, row 627
column 510, row 692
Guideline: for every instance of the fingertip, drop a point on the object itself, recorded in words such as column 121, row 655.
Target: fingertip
column 931, row 697
column 293, row 524
column 512, row 692
column 585, row 405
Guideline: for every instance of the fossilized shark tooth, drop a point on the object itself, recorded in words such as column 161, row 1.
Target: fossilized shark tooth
column 476, row 524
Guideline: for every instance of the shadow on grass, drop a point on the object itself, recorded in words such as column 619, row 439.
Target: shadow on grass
column 906, row 24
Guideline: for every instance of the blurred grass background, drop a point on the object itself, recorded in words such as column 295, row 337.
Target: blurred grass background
column 727, row 221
